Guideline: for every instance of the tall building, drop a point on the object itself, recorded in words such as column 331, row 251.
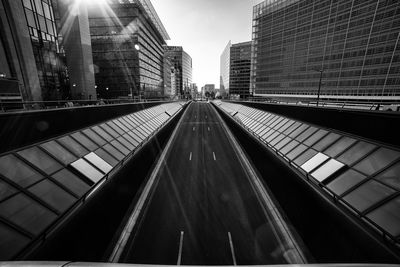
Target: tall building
column 74, row 36
column 224, row 68
column 127, row 42
column 167, row 78
column 352, row 45
column 182, row 64
column 239, row 69
column 30, row 49
column 46, row 48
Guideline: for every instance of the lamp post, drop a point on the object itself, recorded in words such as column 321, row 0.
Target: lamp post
column 319, row 85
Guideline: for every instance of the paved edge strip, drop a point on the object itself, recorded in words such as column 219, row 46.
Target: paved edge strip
column 128, row 229
column 296, row 256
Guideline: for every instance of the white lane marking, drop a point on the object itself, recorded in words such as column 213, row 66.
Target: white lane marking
column 180, row 249
column 214, row 156
column 232, row 249
column 190, row 156
column 194, row 128
column 208, row 128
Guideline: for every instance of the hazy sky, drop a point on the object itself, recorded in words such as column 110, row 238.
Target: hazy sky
column 203, row 28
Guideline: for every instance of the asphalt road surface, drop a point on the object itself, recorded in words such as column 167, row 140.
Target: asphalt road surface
column 203, row 209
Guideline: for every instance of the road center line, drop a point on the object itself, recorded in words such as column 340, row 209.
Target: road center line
column 232, row 249
column 214, row 156
column 180, row 249
column 190, row 156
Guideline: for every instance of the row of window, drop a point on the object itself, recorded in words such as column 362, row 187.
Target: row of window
column 362, row 175
column 40, row 183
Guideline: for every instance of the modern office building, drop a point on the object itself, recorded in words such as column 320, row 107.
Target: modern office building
column 182, row 65
column 167, row 78
column 46, row 48
column 127, row 42
column 224, row 68
column 74, row 37
column 239, row 69
column 353, row 46
column 29, row 49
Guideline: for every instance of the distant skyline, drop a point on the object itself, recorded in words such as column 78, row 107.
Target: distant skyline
column 203, row 28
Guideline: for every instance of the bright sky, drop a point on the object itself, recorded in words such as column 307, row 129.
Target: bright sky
column 203, row 28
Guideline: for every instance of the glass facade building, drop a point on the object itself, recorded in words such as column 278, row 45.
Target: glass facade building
column 224, row 68
column 182, row 68
column 50, row 61
column 127, row 49
column 239, row 69
column 353, row 43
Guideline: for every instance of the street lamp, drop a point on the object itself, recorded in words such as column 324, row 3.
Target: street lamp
column 319, row 85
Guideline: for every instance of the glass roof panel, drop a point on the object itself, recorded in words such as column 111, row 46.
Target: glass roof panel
column 388, row 216
column 126, row 143
column 277, row 139
column 377, row 160
column 298, row 130
column 286, row 125
column 283, row 142
column 296, row 151
column 122, row 124
column 314, row 162
column 71, row 182
column 391, row 176
column 367, row 195
column 98, row 162
column 356, row 152
column 87, row 170
column 346, row 181
column 11, row 241
column 307, row 133
column 109, row 130
column 120, row 147
column 95, row 137
column 292, row 127
column 26, row 213
column 113, row 152
column 53, row 195
column 17, row 171
column 85, row 141
column 107, row 157
column 40, row 159
column 289, row 147
column 102, row 133
column 73, row 146
column 6, row 190
column 303, row 158
column 115, row 127
column 134, row 134
column 59, row 152
column 315, row 137
column 131, row 140
column 326, row 141
column 327, row 170
column 341, row 145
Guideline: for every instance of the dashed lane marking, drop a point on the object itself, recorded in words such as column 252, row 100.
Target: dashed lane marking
column 232, row 248
column 180, row 249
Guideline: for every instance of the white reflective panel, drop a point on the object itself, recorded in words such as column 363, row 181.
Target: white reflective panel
column 314, row 162
column 87, row 170
column 326, row 170
column 98, row 162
